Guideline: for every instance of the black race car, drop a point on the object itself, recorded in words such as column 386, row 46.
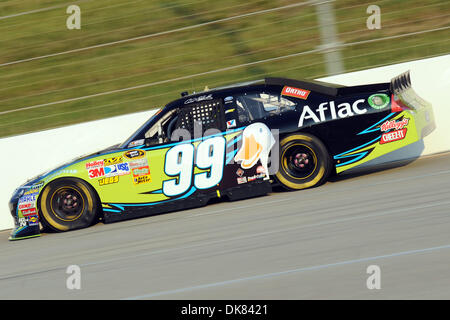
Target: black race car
column 233, row 142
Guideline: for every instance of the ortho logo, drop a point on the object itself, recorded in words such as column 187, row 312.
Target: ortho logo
column 295, row 92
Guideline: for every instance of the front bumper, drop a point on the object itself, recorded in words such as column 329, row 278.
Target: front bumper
column 23, row 208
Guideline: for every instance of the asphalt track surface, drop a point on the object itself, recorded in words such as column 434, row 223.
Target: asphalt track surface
column 310, row 244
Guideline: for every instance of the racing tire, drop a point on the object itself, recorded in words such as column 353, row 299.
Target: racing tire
column 304, row 162
column 68, row 204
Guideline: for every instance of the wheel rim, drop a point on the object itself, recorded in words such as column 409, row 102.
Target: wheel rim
column 67, row 204
column 299, row 161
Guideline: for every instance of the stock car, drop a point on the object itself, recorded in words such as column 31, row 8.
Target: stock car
column 232, row 142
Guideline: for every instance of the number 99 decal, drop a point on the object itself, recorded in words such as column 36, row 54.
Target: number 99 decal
column 179, row 163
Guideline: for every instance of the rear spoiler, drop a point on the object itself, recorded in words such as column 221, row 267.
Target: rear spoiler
column 400, row 83
column 403, row 94
column 329, row 89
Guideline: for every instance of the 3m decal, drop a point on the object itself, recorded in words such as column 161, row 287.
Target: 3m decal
column 393, row 136
column 295, row 92
column 328, row 110
column 134, row 154
column 111, row 161
column 109, row 180
column 96, row 173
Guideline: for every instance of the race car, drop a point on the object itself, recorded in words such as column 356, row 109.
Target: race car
column 231, row 142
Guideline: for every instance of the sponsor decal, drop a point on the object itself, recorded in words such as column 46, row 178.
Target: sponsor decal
column 240, row 172
column 136, row 143
column 228, row 99
column 142, row 179
column 393, row 136
column 26, row 205
column 396, row 125
column 31, row 192
column 119, row 169
column 60, row 172
column 134, row 154
column 327, row 109
column 108, row 180
column 38, row 185
column 258, row 176
column 29, row 212
column 27, row 198
column 22, row 222
column 229, row 111
column 242, row 180
column 142, row 171
column 198, row 99
column 295, row 92
column 138, row 163
column 94, row 164
column 33, row 221
column 231, row 123
column 113, row 160
column 378, row 100
column 96, row 173
column 260, row 169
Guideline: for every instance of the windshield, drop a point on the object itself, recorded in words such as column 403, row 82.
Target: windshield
column 139, row 134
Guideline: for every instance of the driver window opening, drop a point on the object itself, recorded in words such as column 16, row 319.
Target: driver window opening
column 258, row 105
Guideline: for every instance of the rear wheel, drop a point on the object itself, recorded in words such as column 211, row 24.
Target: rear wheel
column 68, row 204
column 304, row 162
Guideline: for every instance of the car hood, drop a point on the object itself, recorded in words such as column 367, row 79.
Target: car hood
column 36, row 179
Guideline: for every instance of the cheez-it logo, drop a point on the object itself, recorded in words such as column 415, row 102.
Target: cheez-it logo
column 295, row 92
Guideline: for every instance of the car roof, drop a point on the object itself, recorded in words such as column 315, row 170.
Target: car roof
column 329, row 89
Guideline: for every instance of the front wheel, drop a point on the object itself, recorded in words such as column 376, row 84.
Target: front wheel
column 68, row 204
column 304, row 162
